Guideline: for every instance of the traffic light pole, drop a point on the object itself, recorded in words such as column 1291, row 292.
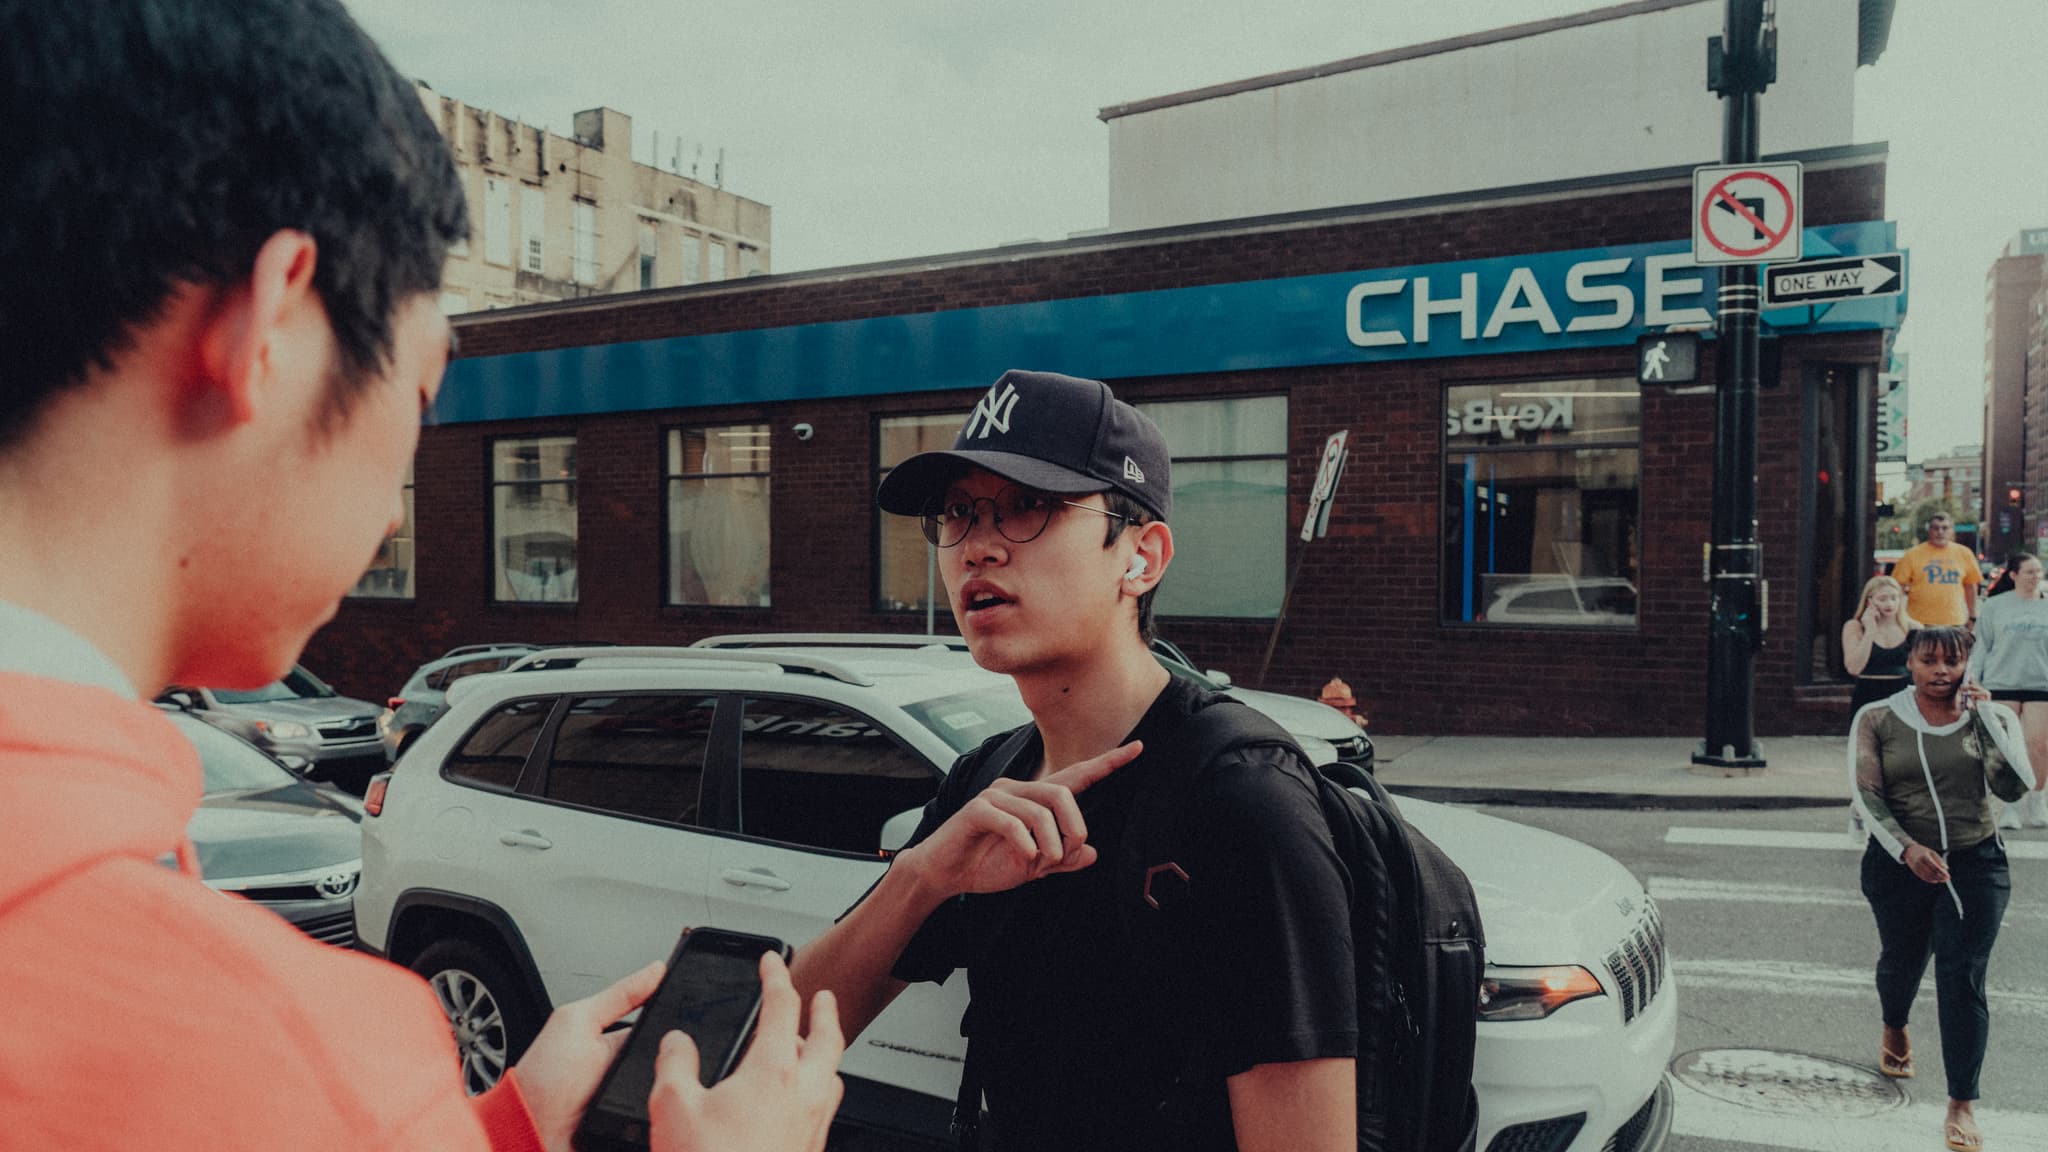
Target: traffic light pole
column 1741, row 65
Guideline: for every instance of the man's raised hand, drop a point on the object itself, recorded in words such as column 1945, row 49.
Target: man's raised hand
column 1017, row 830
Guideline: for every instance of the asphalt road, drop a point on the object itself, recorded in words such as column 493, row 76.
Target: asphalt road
column 1773, row 948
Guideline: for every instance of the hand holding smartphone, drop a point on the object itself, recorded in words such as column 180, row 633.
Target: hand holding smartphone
column 712, row 990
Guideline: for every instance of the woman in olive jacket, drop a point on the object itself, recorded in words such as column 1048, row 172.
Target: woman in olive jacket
column 1923, row 766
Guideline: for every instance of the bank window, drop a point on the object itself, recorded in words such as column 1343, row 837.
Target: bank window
column 1542, row 503
column 815, row 775
column 906, row 565
column 649, row 245
column 389, row 576
column 715, row 251
column 718, row 515
column 1229, row 506
column 533, row 519
column 639, row 756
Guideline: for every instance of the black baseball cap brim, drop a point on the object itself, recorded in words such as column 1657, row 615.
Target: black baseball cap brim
column 910, row 488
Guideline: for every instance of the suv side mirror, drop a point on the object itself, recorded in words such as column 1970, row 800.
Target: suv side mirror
column 184, row 698
column 897, row 829
column 1222, row 678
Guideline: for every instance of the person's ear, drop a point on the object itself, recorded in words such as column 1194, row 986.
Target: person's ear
column 244, row 335
column 1155, row 548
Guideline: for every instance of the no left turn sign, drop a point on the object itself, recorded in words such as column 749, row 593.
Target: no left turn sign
column 1746, row 213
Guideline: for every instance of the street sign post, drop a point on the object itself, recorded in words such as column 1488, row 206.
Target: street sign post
column 1842, row 278
column 1314, row 524
column 1746, row 213
column 1319, row 498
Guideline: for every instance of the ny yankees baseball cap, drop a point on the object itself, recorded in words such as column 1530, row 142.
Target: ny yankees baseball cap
column 1046, row 431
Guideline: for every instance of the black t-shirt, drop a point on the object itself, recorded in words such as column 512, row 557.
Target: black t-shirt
column 1075, row 1051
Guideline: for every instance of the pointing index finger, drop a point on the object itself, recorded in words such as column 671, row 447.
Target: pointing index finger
column 1077, row 778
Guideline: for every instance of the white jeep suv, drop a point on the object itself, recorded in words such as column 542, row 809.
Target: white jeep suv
column 567, row 817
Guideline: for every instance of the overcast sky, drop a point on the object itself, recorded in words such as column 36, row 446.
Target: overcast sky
column 879, row 129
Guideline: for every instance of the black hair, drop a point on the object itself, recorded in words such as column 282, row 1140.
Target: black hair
column 2013, row 561
column 160, row 143
column 1951, row 642
column 1134, row 514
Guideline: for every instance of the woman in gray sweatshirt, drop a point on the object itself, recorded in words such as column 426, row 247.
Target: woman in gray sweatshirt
column 2010, row 658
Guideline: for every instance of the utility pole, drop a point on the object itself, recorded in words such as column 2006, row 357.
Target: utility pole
column 1741, row 63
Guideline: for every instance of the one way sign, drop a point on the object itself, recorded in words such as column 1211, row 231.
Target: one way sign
column 1840, row 278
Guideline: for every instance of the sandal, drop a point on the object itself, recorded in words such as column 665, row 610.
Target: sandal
column 1897, row 1065
column 1961, row 1139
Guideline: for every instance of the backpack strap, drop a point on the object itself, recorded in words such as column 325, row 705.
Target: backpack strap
column 966, row 1124
column 1151, row 878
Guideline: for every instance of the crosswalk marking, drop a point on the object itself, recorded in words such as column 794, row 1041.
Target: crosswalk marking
column 1792, row 978
column 1665, row 889
column 1911, row 1128
column 1814, row 841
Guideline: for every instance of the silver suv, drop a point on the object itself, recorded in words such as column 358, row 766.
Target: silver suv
column 424, row 696
column 314, row 730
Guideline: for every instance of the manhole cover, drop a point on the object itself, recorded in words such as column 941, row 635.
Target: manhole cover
column 1786, row 1083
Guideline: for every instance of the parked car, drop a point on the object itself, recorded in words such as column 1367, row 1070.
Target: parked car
column 1301, row 717
column 264, row 834
column 311, row 728
column 567, row 817
column 424, row 696
column 1598, row 601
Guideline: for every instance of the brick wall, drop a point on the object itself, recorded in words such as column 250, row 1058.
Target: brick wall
column 1366, row 605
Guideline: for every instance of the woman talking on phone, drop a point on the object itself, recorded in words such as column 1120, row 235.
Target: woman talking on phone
column 2010, row 659
column 1874, row 642
column 1923, row 764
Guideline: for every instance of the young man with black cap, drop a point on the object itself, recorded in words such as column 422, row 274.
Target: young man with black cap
column 1050, row 518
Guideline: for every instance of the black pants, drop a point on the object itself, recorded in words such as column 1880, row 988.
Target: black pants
column 1914, row 919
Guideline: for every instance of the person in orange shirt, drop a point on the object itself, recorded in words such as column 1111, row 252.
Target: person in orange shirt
column 221, row 240
column 1940, row 577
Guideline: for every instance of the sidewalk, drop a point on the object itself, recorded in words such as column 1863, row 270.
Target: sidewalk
column 1610, row 772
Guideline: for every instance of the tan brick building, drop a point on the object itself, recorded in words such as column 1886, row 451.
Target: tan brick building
column 561, row 217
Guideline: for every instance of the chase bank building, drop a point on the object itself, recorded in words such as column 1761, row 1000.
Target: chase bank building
column 1514, row 546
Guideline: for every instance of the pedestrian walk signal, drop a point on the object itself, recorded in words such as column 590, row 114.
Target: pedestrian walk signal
column 1668, row 358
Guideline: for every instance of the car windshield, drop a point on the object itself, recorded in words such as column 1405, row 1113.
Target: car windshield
column 966, row 719
column 228, row 764
column 298, row 684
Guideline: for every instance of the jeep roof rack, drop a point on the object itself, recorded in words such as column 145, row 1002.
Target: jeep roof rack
column 745, row 640
column 629, row 656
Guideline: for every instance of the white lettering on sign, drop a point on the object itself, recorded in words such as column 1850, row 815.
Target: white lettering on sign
column 1524, row 300
column 1657, row 287
column 1354, row 314
column 1479, row 417
column 1533, row 308
column 1465, row 305
column 1580, row 292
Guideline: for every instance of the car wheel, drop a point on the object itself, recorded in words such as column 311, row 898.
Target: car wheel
column 488, row 1009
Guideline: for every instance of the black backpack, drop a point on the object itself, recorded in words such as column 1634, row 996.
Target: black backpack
column 1417, row 939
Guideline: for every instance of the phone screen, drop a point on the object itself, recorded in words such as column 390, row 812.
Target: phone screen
column 711, row 991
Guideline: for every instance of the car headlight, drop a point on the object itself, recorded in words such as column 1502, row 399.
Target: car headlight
column 283, row 729
column 1533, row 993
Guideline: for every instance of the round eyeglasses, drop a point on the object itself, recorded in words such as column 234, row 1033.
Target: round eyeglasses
column 1019, row 514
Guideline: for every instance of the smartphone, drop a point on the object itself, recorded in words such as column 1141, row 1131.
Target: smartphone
column 712, row 990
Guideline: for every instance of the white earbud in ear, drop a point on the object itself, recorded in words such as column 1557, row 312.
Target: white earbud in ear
column 1137, row 568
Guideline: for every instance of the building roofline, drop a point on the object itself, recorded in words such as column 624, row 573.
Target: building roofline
column 1394, row 56
column 1814, row 159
